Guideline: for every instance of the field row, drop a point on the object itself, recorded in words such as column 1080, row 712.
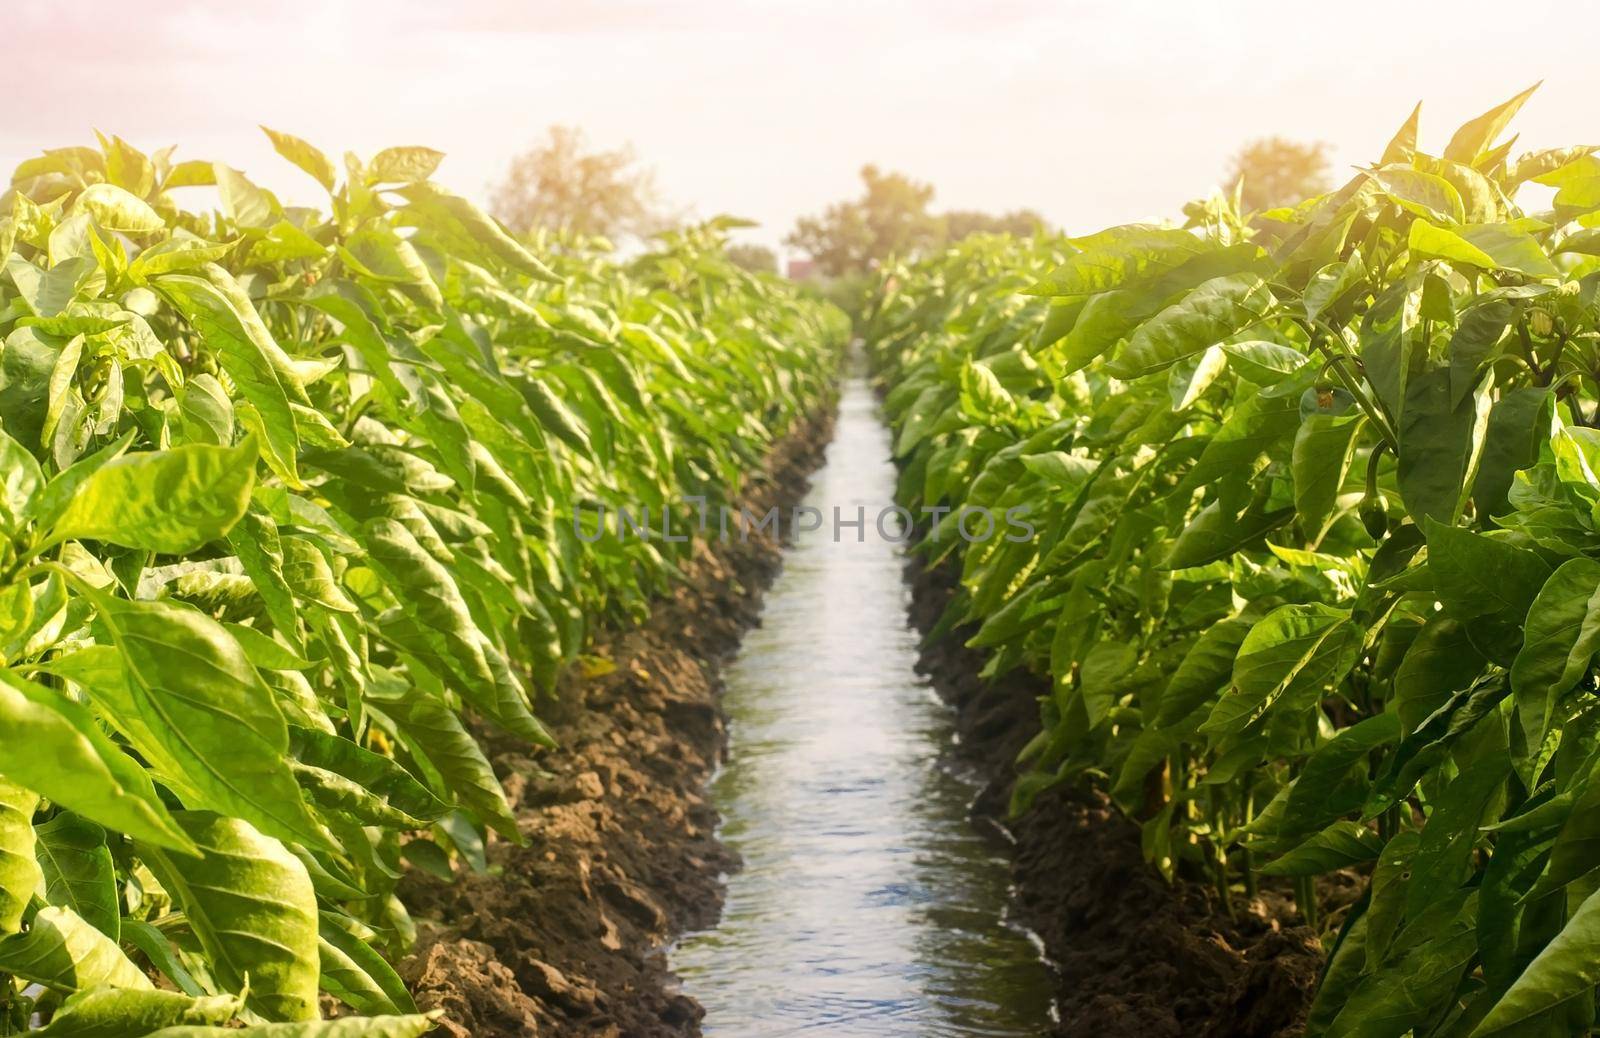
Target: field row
column 1315, row 581
column 286, row 529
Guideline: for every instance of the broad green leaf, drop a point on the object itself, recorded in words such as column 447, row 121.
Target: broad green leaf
column 171, row 501
column 1264, row 421
column 1440, row 445
column 1214, row 311
column 78, row 871
column 20, row 481
column 1264, row 363
column 375, row 789
column 20, row 877
column 1486, row 583
column 403, row 165
column 1339, row 845
column 252, row 905
column 61, row 951
column 208, row 709
column 1568, row 966
column 304, row 155
column 1473, row 343
column 1323, row 447
column 116, row 209
column 1293, row 651
column 1561, row 636
column 1332, row 781
column 119, row 1013
column 356, row 974
column 434, row 731
column 1108, row 259
column 434, row 602
column 1204, row 670
column 264, row 374
column 1431, row 197
column 1419, row 979
column 1478, row 135
column 1429, row 241
column 350, row 1027
column 75, row 764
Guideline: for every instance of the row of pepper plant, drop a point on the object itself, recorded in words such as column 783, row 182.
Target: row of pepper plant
column 286, row 529
column 1316, row 580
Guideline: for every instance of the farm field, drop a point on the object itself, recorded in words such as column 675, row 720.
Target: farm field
column 411, row 623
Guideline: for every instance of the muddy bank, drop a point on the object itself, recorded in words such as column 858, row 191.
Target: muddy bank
column 1136, row 957
column 563, row 937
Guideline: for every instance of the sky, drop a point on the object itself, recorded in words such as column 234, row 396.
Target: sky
column 1093, row 113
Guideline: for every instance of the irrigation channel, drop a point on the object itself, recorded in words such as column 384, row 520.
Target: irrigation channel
column 868, row 901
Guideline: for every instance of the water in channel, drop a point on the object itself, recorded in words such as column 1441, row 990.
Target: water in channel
column 869, row 903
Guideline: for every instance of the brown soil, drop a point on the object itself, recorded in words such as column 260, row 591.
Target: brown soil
column 1136, row 956
column 564, row 936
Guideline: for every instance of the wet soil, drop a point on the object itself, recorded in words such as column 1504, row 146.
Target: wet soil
column 564, row 935
column 1136, row 956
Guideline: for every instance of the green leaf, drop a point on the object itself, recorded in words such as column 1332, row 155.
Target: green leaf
column 1402, row 147
column 431, row 598
column 20, row 481
column 1294, row 651
column 433, row 731
column 1204, row 670
column 1486, row 583
column 403, row 165
column 350, row 1027
column 204, row 703
column 1440, row 445
column 356, row 974
column 304, row 155
column 1477, row 136
column 115, row 209
column 1264, row 363
column 252, row 905
column 78, row 871
column 1109, row 259
column 1569, row 966
column 1481, row 329
column 171, row 501
column 1423, row 194
column 1339, row 845
column 264, row 374
column 115, row 1013
column 1561, row 636
column 375, row 790
column 20, row 877
column 1510, row 445
column 1211, row 313
column 61, row 951
column 1256, row 426
column 1332, row 781
column 1323, row 447
column 75, row 764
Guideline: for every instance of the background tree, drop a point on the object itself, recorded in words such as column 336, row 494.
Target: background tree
column 960, row 223
column 890, row 218
column 1279, row 172
column 755, row 258
column 561, row 184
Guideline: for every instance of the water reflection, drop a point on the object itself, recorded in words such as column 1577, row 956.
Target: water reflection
column 868, row 904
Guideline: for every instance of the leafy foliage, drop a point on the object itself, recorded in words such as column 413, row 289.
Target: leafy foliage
column 287, row 512
column 1314, row 583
